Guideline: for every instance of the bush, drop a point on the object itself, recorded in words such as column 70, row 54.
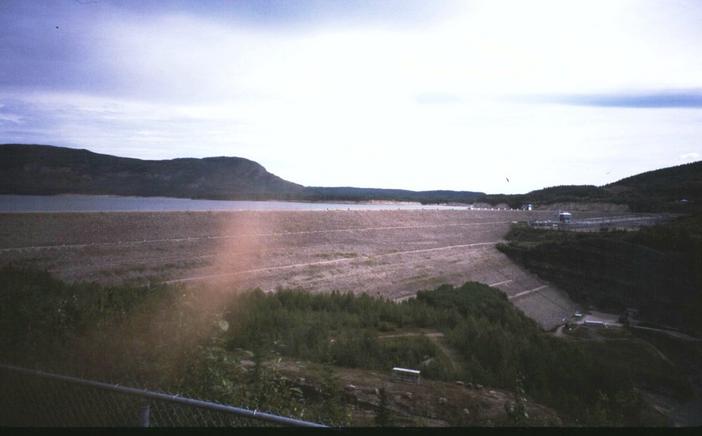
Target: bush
column 490, row 341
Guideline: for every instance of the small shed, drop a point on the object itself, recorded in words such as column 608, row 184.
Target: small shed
column 408, row 375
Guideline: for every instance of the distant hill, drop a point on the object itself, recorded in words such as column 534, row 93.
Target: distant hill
column 677, row 188
column 49, row 170
column 554, row 194
column 367, row 194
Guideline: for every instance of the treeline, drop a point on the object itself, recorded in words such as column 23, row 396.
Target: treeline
column 677, row 188
column 182, row 340
column 496, row 345
column 682, row 181
column 47, row 170
column 674, row 189
column 369, row 194
column 657, row 269
column 556, row 194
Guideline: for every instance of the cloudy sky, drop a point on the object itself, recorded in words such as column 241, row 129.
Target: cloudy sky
column 395, row 94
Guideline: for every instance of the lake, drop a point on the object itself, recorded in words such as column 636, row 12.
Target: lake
column 107, row 203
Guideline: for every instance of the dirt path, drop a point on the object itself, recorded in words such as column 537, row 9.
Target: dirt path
column 527, row 292
column 503, row 282
column 559, row 332
column 437, row 339
column 671, row 333
column 410, row 334
column 449, row 352
column 240, row 236
column 327, row 262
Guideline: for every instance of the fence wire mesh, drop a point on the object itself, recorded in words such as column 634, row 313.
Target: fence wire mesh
column 39, row 399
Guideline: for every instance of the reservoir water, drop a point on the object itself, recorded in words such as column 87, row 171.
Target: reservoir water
column 107, row 203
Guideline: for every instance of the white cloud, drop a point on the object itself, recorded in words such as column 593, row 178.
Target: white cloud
column 465, row 146
column 490, row 48
column 325, row 106
column 12, row 118
column 690, row 157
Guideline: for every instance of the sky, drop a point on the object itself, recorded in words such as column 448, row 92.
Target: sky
column 493, row 96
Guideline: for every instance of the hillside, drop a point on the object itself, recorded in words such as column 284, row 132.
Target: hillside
column 657, row 269
column 41, row 169
column 49, row 170
column 483, row 362
column 676, row 189
column 554, row 194
column 661, row 189
column 367, row 194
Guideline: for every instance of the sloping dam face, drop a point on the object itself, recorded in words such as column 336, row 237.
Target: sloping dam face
column 393, row 254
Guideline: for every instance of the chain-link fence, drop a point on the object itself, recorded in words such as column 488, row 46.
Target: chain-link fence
column 40, row 399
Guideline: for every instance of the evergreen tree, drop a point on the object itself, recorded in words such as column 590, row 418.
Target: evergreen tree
column 382, row 418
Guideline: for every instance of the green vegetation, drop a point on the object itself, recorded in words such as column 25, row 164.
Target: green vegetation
column 662, row 189
column 659, row 190
column 555, row 194
column 190, row 341
column 66, row 170
column 368, row 194
column 657, row 269
column 339, row 329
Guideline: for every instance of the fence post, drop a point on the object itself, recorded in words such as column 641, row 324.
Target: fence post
column 144, row 415
column 142, row 406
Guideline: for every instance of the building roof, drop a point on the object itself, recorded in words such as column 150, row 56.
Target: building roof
column 408, row 371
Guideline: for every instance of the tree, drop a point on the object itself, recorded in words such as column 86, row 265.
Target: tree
column 382, row 417
column 516, row 410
